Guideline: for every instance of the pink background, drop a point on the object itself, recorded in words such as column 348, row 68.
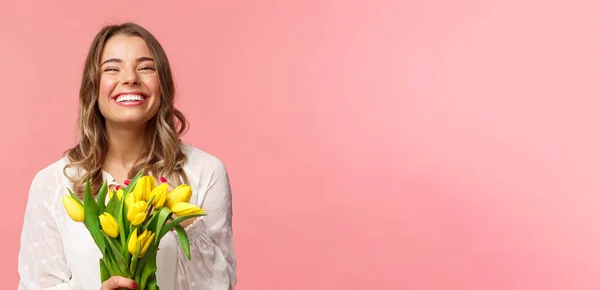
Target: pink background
column 371, row 144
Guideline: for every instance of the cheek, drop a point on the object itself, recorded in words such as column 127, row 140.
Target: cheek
column 153, row 83
column 106, row 87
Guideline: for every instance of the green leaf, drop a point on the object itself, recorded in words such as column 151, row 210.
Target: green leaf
column 114, row 245
column 151, row 223
column 102, row 197
column 119, row 259
column 151, row 200
column 149, row 269
column 104, row 273
column 132, row 183
column 150, row 254
column 163, row 215
column 138, row 277
column 172, row 224
column 110, row 264
column 151, row 285
column 123, row 217
column 92, row 223
column 113, row 206
column 75, row 197
column 183, row 240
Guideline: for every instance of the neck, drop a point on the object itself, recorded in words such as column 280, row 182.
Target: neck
column 125, row 144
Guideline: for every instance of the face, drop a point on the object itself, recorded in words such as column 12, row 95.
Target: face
column 129, row 92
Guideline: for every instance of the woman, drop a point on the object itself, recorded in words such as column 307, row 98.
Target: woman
column 127, row 122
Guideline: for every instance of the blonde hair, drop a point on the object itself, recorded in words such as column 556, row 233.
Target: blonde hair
column 162, row 155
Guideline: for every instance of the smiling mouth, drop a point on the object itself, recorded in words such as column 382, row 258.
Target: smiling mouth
column 122, row 98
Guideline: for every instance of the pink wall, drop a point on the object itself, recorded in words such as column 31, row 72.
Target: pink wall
column 391, row 145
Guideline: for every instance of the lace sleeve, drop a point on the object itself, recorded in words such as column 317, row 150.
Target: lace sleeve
column 42, row 263
column 213, row 263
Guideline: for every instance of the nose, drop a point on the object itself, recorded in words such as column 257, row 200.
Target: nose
column 130, row 78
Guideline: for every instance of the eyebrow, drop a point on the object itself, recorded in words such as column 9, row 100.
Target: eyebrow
column 118, row 60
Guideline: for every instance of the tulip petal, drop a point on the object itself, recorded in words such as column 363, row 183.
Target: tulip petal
column 184, row 208
column 159, row 194
column 137, row 212
column 132, row 244
column 182, row 193
column 120, row 193
column 146, row 244
column 143, row 187
column 138, row 219
column 73, row 208
column 109, row 225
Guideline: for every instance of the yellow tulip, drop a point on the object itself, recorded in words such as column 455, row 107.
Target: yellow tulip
column 184, row 208
column 142, row 242
column 150, row 185
column 137, row 212
column 110, row 194
column 160, row 195
column 74, row 209
column 109, row 225
column 119, row 194
column 143, row 187
column 130, row 200
column 182, row 193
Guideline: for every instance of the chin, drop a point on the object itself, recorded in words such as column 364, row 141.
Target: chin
column 129, row 121
column 131, row 118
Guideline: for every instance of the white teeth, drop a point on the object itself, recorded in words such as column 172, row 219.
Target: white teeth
column 124, row 98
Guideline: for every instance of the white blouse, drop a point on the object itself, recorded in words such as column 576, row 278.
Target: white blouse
column 58, row 253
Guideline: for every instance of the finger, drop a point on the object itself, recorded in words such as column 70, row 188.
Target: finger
column 117, row 282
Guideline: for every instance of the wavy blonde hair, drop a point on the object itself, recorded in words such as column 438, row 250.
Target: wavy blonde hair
column 162, row 155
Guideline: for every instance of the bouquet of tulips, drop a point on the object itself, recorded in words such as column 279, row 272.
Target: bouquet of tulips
column 128, row 228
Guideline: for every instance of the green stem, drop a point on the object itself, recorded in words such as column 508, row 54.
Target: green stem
column 134, row 261
column 124, row 245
